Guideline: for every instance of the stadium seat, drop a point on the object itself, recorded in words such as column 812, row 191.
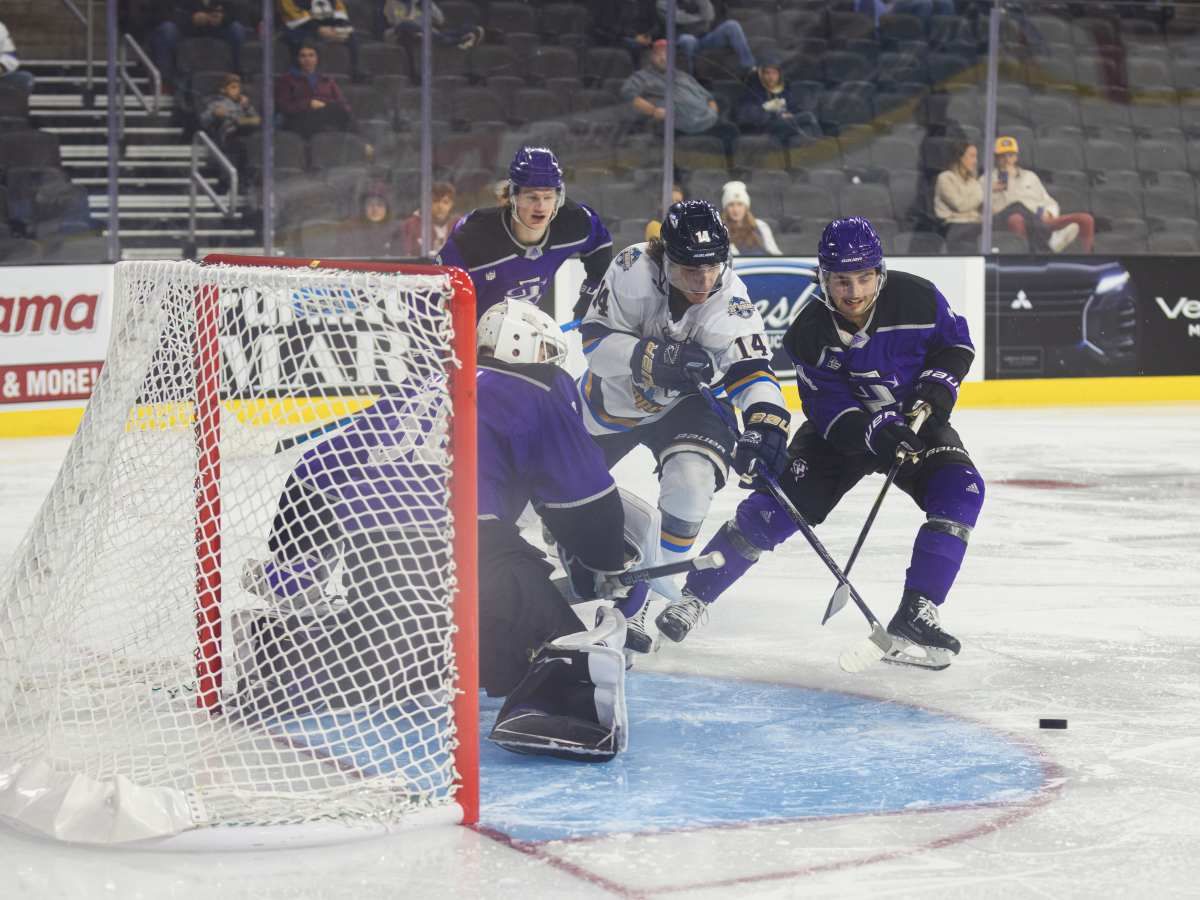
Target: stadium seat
column 1161, row 154
column 874, row 201
column 900, row 27
column 19, row 251
column 1117, row 242
column 80, row 248
column 1172, row 242
column 1050, row 28
column 1116, row 202
column 600, row 63
column 491, row 60
column 1151, row 115
column 29, row 148
column 533, row 104
column 1102, row 155
column 803, row 201
column 559, row 20
column 508, row 16
column 1006, row 242
column 1165, row 203
column 1103, row 115
column 838, row 66
column 327, row 149
column 919, row 243
column 1053, row 109
column 194, row 54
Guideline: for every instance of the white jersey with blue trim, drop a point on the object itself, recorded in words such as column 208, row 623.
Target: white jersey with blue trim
column 632, row 303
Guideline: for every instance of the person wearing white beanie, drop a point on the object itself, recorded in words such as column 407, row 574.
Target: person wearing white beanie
column 748, row 236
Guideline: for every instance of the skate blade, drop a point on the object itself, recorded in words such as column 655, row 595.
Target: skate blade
column 906, row 653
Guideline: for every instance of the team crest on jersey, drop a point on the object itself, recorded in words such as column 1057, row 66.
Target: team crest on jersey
column 741, row 307
column 489, row 275
column 799, row 468
column 628, row 257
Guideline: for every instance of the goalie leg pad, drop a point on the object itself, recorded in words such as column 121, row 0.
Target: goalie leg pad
column 571, row 702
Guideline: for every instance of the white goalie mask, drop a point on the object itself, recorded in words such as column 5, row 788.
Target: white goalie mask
column 516, row 331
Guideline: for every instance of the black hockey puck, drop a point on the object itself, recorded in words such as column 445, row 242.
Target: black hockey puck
column 1052, row 723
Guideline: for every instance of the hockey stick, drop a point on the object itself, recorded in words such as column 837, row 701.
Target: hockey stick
column 879, row 643
column 713, row 560
column 840, row 594
column 295, row 440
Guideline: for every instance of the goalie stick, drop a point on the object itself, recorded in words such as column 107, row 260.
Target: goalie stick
column 713, row 560
column 879, row 643
column 840, row 594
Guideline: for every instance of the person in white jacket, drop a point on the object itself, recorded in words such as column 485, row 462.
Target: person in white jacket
column 748, row 236
column 10, row 65
column 1020, row 201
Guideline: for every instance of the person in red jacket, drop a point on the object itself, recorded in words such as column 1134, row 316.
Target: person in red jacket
column 309, row 101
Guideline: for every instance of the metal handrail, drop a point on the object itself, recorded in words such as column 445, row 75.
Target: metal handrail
column 86, row 21
column 196, row 180
column 154, row 103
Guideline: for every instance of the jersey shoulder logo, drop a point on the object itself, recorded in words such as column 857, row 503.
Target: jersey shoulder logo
column 628, row 257
column 741, row 307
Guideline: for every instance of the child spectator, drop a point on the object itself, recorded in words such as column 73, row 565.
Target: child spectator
column 748, row 236
column 442, row 220
column 229, row 113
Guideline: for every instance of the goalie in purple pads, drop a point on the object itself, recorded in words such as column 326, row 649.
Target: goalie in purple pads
column 355, row 618
column 871, row 348
column 512, row 251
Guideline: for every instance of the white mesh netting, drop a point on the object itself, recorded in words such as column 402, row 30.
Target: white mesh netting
column 222, row 615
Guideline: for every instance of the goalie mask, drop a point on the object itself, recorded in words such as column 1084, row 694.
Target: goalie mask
column 696, row 244
column 515, row 331
column 849, row 245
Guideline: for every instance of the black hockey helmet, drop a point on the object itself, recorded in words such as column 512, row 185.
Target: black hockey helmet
column 696, row 243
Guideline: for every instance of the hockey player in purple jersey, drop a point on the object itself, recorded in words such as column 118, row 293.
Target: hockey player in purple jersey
column 873, row 347
column 511, row 252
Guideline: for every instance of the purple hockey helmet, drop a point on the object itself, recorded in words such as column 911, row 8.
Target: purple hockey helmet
column 535, row 167
column 849, row 245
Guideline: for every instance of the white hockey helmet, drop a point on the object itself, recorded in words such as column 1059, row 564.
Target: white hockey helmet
column 516, row 331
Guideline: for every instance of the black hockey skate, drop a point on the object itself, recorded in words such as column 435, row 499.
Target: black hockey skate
column 637, row 638
column 681, row 616
column 920, row 640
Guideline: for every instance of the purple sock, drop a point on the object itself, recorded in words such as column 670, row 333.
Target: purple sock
column 953, row 499
column 631, row 604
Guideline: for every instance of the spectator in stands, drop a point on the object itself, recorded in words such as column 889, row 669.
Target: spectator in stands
column 769, row 105
column 921, row 8
column 631, row 24
column 442, row 219
column 958, row 197
column 374, row 233
column 229, row 114
column 1020, row 201
column 10, row 66
column 307, row 21
column 654, row 226
column 694, row 24
column 748, row 236
column 195, row 18
column 404, row 22
column 309, row 101
column 695, row 108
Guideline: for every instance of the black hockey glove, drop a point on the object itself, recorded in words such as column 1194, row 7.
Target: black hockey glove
column 888, row 433
column 937, row 388
column 763, row 444
column 670, row 365
column 587, row 293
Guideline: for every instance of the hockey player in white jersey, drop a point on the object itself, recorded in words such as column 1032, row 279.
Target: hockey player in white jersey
column 668, row 315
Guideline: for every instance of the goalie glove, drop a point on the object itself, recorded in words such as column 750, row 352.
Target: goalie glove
column 762, row 446
column 670, row 365
column 571, row 702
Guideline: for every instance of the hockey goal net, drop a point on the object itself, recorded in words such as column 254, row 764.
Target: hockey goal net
column 249, row 598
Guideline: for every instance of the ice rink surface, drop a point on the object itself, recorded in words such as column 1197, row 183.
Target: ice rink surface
column 1079, row 599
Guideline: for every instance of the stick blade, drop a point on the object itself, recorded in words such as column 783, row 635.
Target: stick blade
column 866, row 653
column 836, row 602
